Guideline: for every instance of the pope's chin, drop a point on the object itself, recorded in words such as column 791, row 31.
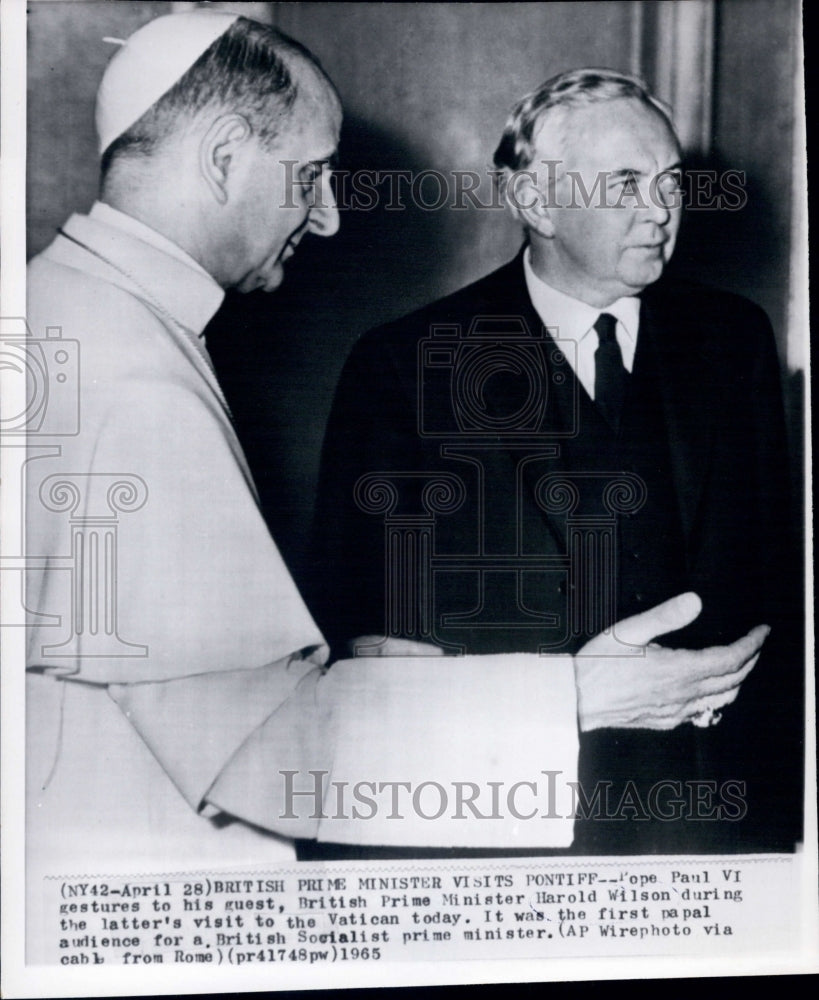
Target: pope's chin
column 265, row 281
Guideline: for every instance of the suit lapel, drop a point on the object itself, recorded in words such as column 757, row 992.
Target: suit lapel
column 507, row 296
column 683, row 364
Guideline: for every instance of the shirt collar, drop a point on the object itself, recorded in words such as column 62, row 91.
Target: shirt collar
column 571, row 319
column 155, row 266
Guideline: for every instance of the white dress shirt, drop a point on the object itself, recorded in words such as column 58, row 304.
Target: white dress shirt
column 571, row 322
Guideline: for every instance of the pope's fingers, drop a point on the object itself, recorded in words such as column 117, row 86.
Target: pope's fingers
column 670, row 616
column 712, row 701
column 718, row 683
column 712, row 686
column 727, row 660
column 411, row 647
column 381, row 645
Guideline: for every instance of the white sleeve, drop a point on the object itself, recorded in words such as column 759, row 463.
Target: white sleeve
column 473, row 751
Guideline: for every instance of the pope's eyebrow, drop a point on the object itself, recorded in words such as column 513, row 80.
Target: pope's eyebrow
column 330, row 161
column 317, row 167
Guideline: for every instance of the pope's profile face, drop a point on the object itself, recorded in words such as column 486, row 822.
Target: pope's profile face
column 612, row 236
column 285, row 193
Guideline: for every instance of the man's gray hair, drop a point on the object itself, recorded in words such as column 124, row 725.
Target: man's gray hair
column 576, row 88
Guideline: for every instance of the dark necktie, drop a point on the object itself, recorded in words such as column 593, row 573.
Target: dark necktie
column 610, row 375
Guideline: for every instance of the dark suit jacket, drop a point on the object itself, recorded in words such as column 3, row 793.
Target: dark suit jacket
column 715, row 368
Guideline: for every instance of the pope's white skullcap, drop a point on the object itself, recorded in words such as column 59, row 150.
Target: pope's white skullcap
column 150, row 63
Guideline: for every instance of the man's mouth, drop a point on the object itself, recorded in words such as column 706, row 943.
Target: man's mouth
column 268, row 276
column 294, row 240
column 659, row 242
column 650, row 248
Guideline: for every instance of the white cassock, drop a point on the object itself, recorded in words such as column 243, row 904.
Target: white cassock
column 174, row 670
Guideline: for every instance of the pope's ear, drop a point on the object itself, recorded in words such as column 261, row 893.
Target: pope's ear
column 224, row 138
column 527, row 202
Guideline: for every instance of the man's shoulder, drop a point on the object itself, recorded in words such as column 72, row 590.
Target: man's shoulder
column 688, row 298
column 54, row 285
column 497, row 292
column 124, row 348
column 710, row 324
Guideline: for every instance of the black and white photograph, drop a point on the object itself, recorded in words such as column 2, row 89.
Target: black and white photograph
column 406, row 498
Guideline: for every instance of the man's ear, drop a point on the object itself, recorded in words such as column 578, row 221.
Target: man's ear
column 528, row 203
column 217, row 150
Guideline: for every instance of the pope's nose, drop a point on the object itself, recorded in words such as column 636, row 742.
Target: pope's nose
column 324, row 217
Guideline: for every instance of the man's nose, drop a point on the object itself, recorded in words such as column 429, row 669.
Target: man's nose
column 660, row 213
column 660, row 203
column 324, row 219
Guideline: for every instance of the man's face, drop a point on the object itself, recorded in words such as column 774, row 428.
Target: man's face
column 612, row 240
column 283, row 193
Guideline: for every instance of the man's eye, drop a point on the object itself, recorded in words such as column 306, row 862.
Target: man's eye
column 310, row 174
column 624, row 182
column 669, row 188
column 671, row 180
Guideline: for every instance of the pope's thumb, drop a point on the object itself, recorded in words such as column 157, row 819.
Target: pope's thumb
column 669, row 616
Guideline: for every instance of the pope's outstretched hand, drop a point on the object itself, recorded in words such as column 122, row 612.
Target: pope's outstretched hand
column 625, row 680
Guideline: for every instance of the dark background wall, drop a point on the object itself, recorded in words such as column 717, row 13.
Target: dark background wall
column 428, row 87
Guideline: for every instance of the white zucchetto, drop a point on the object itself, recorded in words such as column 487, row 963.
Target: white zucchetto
column 150, row 63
